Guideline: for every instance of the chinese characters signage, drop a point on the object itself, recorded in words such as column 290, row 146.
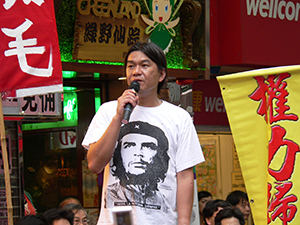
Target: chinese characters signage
column 29, row 51
column 38, row 105
column 263, row 111
column 105, row 30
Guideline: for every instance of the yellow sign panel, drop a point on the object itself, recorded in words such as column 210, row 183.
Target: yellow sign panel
column 105, row 29
column 263, row 111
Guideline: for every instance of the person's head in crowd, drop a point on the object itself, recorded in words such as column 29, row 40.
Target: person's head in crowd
column 203, row 198
column 69, row 200
column 229, row 216
column 59, row 216
column 212, row 208
column 240, row 200
column 80, row 215
column 32, row 220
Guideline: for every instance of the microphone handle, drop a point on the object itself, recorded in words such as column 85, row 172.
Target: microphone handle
column 127, row 112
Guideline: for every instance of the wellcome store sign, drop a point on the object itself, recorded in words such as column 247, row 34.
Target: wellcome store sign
column 274, row 9
column 255, row 33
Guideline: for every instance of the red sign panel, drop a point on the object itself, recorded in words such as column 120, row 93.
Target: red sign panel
column 255, row 32
column 208, row 105
column 29, row 50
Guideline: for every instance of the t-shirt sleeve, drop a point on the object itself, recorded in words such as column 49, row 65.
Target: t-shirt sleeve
column 99, row 124
column 189, row 152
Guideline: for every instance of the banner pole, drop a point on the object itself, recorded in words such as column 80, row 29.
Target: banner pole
column 6, row 168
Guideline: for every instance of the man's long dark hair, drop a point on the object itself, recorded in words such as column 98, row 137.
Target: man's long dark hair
column 155, row 53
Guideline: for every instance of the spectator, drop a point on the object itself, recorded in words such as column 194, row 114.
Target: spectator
column 32, row 220
column 203, row 198
column 230, row 216
column 59, row 216
column 80, row 215
column 69, row 200
column 240, row 200
column 212, row 208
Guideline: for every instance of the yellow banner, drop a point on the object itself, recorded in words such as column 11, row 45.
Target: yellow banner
column 263, row 108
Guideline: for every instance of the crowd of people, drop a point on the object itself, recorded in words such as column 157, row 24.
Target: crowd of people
column 235, row 210
column 69, row 212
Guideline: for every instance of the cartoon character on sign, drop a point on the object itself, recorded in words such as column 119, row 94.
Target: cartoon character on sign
column 160, row 24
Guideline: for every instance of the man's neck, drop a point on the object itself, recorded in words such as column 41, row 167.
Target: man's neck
column 149, row 98
column 150, row 102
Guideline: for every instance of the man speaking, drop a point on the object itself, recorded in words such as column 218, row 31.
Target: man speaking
column 150, row 170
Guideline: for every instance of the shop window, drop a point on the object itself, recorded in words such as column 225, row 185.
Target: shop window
column 50, row 167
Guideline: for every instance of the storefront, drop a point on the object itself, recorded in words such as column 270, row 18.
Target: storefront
column 46, row 156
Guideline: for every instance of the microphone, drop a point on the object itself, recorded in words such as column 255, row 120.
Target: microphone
column 128, row 107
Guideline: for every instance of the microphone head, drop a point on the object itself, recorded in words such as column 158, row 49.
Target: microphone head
column 135, row 86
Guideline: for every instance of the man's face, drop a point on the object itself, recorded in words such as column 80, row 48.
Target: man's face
column 142, row 69
column 230, row 221
column 137, row 152
column 244, row 207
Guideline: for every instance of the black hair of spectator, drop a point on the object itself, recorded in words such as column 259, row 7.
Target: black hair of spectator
column 229, row 212
column 32, row 220
column 212, row 206
column 236, row 196
column 56, row 214
column 203, row 194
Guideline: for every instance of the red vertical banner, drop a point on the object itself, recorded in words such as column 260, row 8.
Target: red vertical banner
column 29, row 50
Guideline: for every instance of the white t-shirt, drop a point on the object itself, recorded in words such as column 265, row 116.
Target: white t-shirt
column 173, row 124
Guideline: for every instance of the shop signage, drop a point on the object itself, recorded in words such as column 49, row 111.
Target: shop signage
column 160, row 27
column 105, row 29
column 48, row 105
column 274, row 9
column 208, row 105
column 63, row 140
column 254, row 33
column 29, row 50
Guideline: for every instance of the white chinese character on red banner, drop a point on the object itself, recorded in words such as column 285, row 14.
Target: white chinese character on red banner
column 20, row 48
column 9, row 3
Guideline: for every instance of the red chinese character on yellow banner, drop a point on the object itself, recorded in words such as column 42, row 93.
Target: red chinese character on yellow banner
column 280, row 205
column 273, row 90
column 292, row 148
